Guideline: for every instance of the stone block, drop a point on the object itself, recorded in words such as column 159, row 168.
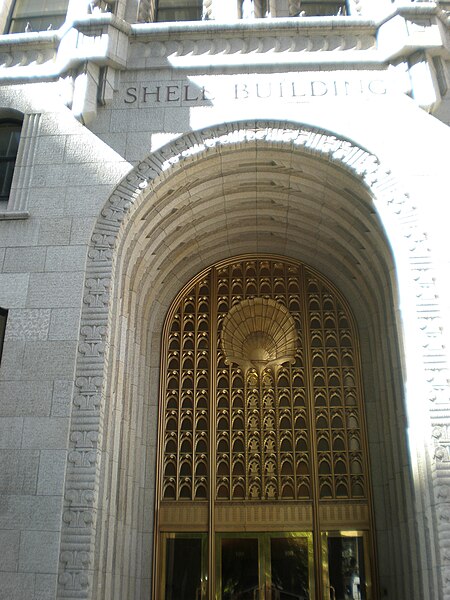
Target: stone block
column 10, row 432
column 13, row 289
column 52, row 468
column 54, row 231
column 86, row 200
column 110, row 172
column 138, row 146
column 45, row 433
column 30, row 513
column 52, row 124
column 25, row 398
column 24, row 260
column 131, row 120
column 82, row 230
column 19, row 469
column 64, row 324
column 49, row 360
column 32, row 558
column 115, row 141
column 43, row 202
column 17, row 586
column 50, row 149
column 2, row 257
column 102, row 123
column 62, row 398
column 54, row 175
column 18, row 233
column 85, row 149
column 55, row 290
column 12, row 360
column 45, row 586
column 28, row 324
column 65, row 258
column 9, row 543
column 176, row 119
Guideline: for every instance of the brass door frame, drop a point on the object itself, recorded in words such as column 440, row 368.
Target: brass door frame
column 321, row 510
column 204, row 558
column 367, row 555
column 264, row 558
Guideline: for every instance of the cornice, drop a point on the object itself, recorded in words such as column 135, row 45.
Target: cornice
column 105, row 40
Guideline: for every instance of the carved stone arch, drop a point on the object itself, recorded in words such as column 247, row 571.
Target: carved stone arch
column 86, row 513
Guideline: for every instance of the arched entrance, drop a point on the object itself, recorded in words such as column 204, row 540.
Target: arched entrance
column 263, row 488
column 221, row 192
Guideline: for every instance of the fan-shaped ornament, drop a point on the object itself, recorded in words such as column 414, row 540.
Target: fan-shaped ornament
column 259, row 333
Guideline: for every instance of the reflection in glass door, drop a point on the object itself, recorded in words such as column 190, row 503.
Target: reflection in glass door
column 262, row 566
column 240, row 568
column 185, row 572
column 267, row 566
column 289, row 568
column 346, row 576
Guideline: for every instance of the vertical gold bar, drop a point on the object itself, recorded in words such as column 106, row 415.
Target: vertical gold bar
column 317, row 543
column 158, row 565
column 212, row 436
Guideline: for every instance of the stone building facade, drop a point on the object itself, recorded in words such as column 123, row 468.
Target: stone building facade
column 152, row 154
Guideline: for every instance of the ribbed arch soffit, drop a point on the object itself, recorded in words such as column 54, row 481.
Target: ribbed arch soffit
column 248, row 187
column 258, row 198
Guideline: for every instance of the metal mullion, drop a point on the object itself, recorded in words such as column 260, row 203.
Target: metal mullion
column 293, row 436
column 194, row 394
column 328, row 407
column 277, row 431
column 261, row 435
column 230, row 430
column 180, row 387
column 158, row 544
column 230, row 389
column 313, row 438
column 364, row 450
column 327, row 395
column 212, row 433
column 246, row 450
column 342, row 377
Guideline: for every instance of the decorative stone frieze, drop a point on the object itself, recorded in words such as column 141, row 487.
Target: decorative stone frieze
column 79, row 526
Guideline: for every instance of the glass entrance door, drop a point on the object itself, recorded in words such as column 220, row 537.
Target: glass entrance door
column 264, row 566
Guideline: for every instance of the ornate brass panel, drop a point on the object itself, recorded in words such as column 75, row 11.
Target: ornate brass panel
column 187, row 398
column 261, row 424
column 263, row 441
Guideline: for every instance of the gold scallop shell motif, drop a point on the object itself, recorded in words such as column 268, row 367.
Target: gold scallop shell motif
column 259, row 333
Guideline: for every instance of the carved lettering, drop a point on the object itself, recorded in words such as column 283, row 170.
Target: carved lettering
column 187, row 97
column 377, row 87
column 240, row 91
column 172, row 93
column 146, row 94
column 318, row 88
column 299, row 87
column 131, row 92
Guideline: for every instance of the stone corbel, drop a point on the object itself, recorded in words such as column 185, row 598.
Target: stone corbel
column 424, row 85
column 103, row 42
column 85, row 91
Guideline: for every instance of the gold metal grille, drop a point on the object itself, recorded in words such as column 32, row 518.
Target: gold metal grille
column 269, row 411
column 187, row 398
